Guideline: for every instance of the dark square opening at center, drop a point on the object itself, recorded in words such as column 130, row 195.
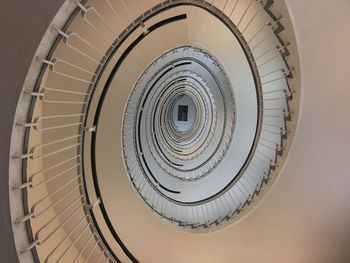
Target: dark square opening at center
column 182, row 114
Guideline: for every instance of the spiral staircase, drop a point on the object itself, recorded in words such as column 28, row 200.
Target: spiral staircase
column 154, row 131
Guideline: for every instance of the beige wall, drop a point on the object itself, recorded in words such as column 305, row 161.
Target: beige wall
column 305, row 216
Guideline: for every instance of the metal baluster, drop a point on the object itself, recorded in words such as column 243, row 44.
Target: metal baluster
column 245, row 12
column 69, row 234
column 73, row 242
column 83, row 248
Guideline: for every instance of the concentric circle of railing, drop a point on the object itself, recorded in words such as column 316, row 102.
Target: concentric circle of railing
column 234, row 184
column 65, row 206
column 146, row 123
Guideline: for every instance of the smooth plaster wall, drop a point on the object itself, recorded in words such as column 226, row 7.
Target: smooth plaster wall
column 22, row 25
column 312, row 195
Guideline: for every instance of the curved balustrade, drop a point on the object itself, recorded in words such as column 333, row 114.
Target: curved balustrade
column 65, row 203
